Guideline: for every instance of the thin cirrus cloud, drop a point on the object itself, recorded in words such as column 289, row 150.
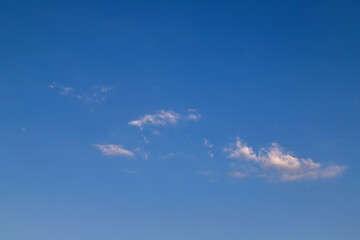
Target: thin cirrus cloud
column 209, row 175
column 163, row 117
column 114, row 150
column 237, row 174
column 96, row 95
column 274, row 163
column 129, row 171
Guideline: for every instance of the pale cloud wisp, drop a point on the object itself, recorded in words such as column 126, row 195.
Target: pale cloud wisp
column 163, row 117
column 114, row 150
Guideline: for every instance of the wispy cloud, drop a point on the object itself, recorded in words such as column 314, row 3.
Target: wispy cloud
column 95, row 95
column 275, row 163
column 129, row 171
column 114, row 150
column 155, row 132
column 145, row 139
column 210, row 175
column 205, row 173
column 208, row 145
column 237, row 174
column 193, row 115
column 65, row 91
column 160, row 118
column 163, row 117
column 167, row 156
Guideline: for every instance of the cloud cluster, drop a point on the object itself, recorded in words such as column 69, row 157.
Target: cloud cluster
column 162, row 118
column 114, row 150
column 274, row 163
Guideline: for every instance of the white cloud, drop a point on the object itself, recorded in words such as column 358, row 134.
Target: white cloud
column 240, row 150
column 276, row 158
column 193, row 115
column 275, row 163
column 114, row 150
column 162, row 118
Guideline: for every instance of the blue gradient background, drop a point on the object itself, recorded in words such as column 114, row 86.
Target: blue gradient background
column 268, row 71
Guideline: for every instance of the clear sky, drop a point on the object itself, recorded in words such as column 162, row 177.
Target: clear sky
column 179, row 120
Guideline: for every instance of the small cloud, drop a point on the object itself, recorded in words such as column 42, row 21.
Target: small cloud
column 114, row 150
column 193, row 115
column 211, row 154
column 23, row 129
column 162, row 118
column 207, row 144
column 275, row 163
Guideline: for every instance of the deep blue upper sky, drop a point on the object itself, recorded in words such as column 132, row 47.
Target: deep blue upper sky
column 179, row 120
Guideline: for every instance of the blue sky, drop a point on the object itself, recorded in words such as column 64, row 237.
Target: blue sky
column 179, row 120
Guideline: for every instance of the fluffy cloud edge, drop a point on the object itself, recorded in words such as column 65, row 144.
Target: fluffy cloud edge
column 275, row 163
